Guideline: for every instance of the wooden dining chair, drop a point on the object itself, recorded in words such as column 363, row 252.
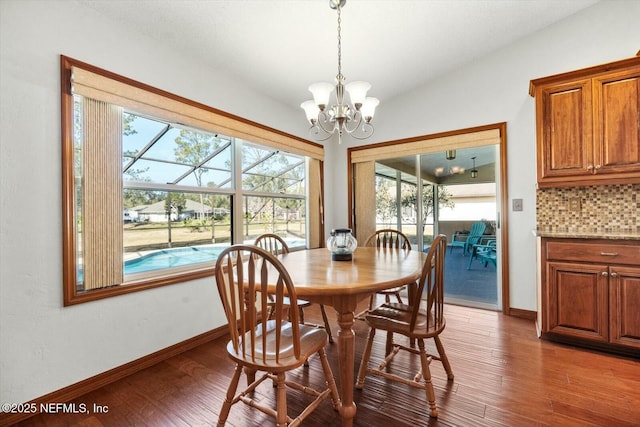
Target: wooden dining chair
column 270, row 346
column 276, row 245
column 388, row 238
column 422, row 320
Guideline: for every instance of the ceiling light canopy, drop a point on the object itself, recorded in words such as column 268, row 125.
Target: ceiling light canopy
column 353, row 118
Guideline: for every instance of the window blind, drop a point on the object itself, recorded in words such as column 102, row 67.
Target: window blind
column 142, row 99
column 102, row 235
column 425, row 145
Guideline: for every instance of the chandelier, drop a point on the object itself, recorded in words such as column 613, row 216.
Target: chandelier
column 341, row 117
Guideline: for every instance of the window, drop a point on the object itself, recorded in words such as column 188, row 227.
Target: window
column 273, row 183
column 155, row 186
column 396, row 203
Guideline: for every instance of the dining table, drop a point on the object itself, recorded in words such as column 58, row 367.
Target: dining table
column 342, row 285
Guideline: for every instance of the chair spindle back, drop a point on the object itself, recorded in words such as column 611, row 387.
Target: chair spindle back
column 431, row 284
column 243, row 274
column 272, row 243
column 388, row 238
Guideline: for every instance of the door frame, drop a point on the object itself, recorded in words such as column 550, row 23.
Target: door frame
column 462, row 138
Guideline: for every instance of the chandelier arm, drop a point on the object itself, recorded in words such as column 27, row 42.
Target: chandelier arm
column 362, row 132
column 357, row 127
column 318, row 133
column 323, row 120
column 355, row 119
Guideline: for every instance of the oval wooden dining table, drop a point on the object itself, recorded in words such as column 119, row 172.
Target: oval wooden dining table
column 342, row 285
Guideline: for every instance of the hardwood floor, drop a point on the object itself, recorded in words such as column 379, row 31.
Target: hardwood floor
column 504, row 376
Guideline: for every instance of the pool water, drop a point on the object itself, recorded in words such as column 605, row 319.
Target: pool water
column 176, row 257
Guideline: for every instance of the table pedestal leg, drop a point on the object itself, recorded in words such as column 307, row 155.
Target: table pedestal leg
column 346, row 353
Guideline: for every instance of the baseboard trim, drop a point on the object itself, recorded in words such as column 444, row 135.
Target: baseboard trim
column 83, row 387
column 525, row 314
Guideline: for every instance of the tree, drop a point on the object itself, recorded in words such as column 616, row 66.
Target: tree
column 409, row 199
column 175, row 202
column 133, row 198
column 193, row 148
column 217, row 202
column 386, row 206
column 127, row 124
column 271, row 172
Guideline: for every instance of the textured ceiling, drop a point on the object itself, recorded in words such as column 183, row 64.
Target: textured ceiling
column 279, row 47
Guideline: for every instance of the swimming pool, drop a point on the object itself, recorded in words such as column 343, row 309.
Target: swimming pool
column 174, row 257
column 177, row 257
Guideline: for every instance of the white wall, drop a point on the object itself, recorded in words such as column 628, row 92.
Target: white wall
column 43, row 346
column 495, row 89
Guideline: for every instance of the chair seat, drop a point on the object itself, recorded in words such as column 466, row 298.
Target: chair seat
column 312, row 339
column 395, row 317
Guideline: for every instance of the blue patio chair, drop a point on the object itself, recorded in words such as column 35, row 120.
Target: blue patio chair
column 477, row 230
column 484, row 253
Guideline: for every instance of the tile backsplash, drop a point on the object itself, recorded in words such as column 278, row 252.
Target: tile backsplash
column 589, row 209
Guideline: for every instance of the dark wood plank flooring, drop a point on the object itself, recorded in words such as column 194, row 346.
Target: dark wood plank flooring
column 504, row 376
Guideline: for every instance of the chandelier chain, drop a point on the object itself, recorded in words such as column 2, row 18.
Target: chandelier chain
column 339, row 76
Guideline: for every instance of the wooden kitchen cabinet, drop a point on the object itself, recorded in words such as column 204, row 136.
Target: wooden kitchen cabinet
column 588, row 125
column 591, row 293
column 578, row 303
column 624, row 303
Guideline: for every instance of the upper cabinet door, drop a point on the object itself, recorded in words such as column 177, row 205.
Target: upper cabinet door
column 616, row 99
column 588, row 125
column 565, row 143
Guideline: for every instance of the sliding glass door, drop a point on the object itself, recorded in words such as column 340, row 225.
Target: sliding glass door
column 453, row 193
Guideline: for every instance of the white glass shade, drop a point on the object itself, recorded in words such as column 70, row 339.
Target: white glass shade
column 358, row 92
column 321, row 92
column 368, row 108
column 311, row 110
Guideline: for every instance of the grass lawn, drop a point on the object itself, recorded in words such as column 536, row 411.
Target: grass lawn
column 149, row 236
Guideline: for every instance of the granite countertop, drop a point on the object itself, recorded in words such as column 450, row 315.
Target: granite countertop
column 613, row 235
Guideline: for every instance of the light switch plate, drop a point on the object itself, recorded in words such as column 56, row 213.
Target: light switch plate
column 517, row 205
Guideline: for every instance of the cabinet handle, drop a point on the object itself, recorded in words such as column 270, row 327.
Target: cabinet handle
column 590, row 167
column 597, row 168
column 614, row 274
column 604, row 274
column 609, row 253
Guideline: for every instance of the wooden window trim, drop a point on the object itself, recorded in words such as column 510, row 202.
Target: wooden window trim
column 239, row 127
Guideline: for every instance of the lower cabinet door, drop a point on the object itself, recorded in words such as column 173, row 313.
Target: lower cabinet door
column 578, row 300
column 624, row 306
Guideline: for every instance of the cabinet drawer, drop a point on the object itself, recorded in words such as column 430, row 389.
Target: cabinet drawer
column 602, row 253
